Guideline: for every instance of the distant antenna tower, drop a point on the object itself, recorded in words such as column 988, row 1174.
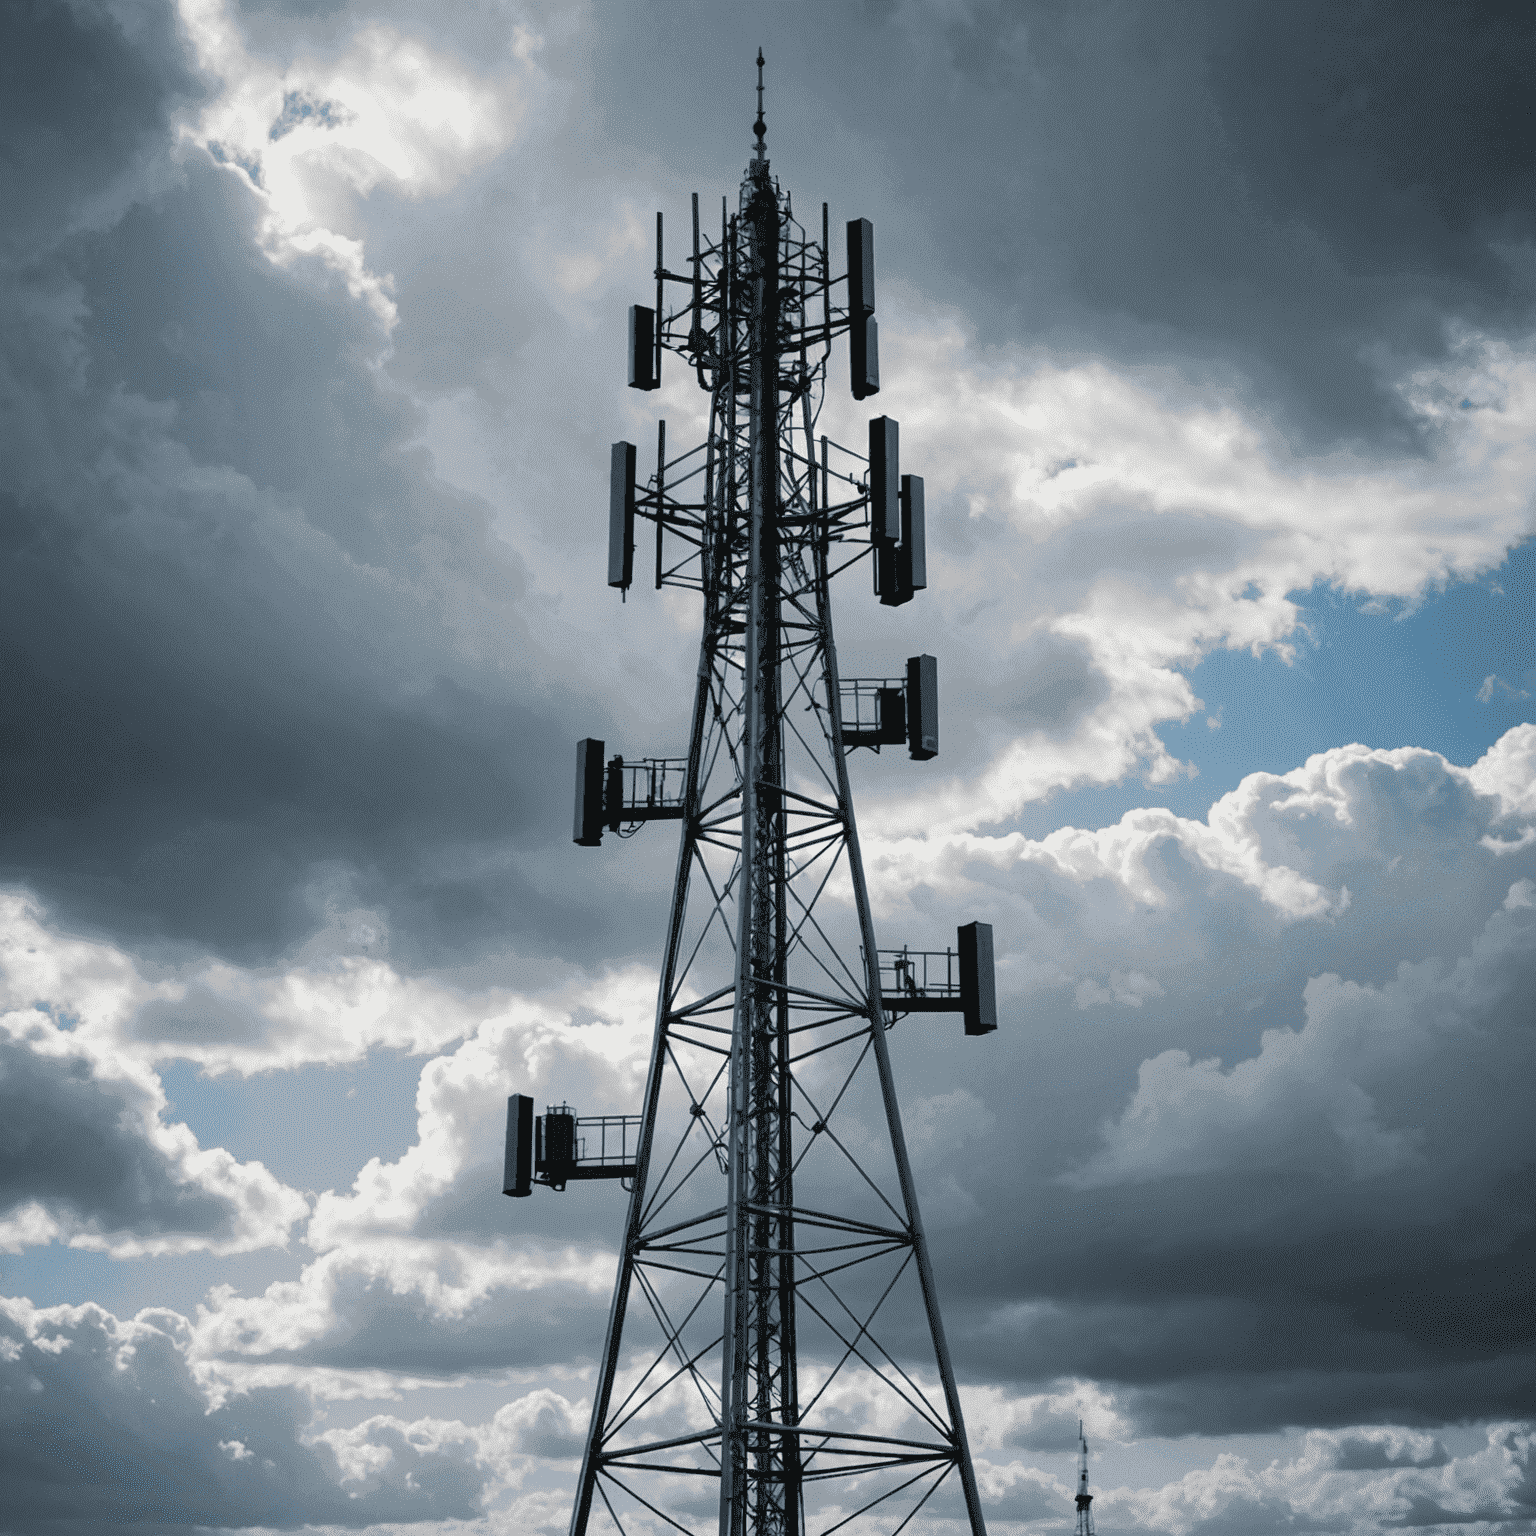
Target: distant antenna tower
column 775, row 1332
column 1084, row 1498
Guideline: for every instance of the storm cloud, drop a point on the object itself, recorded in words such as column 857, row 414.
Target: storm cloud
column 104, row 1423
column 311, row 351
column 230, row 583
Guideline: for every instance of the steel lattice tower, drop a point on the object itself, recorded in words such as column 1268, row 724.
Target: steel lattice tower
column 773, row 1238
column 1084, row 1498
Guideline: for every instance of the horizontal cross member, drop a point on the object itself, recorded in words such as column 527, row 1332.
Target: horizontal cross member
column 861, row 1442
column 651, row 1447
column 555, row 1175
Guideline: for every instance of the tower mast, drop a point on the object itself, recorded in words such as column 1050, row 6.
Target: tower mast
column 1084, row 1498
column 773, row 1237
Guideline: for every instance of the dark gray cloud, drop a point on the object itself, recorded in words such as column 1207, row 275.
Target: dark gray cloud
column 233, row 587
column 85, row 115
column 102, row 1422
column 1046, row 1431
column 375, row 1329
column 228, row 582
column 68, row 1139
column 201, row 1017
column 1377, row 1452
column 1059, row 685
column 260, row 660
column 1024, row 1500
column 84, row 1148
column 1298, row 193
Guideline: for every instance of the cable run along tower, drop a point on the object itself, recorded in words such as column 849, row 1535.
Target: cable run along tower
column 774, row 1361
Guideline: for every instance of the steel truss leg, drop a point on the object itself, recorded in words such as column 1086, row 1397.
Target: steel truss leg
column 888, row 1095
column 602, row 1396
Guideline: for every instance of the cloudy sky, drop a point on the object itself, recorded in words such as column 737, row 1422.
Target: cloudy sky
column 1212, row 328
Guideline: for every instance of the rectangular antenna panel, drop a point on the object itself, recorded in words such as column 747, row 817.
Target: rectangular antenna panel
column 884, row 480
column 888, row 574
column 589, row 793
column 517, row 1178
column 621, row 515
column 902, row 569
column 913, row 568
column 642, row 347
column 864, row 356
column 978, row 978
column 922, row 707
column 861, row 267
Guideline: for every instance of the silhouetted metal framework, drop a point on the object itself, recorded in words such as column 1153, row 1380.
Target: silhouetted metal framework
column 775, row 1357
column 1084, row 1498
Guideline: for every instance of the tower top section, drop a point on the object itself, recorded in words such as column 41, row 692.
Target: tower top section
column 760, row 127
column 1084, row 1498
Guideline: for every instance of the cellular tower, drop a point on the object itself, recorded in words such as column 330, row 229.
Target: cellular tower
column 1084, row 1498
column 775, row 1360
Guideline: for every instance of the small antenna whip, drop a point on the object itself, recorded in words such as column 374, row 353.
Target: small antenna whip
column 1084, row 1498
column 760, row 127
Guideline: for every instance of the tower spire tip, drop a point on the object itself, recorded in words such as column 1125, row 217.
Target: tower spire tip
column 760, row 127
